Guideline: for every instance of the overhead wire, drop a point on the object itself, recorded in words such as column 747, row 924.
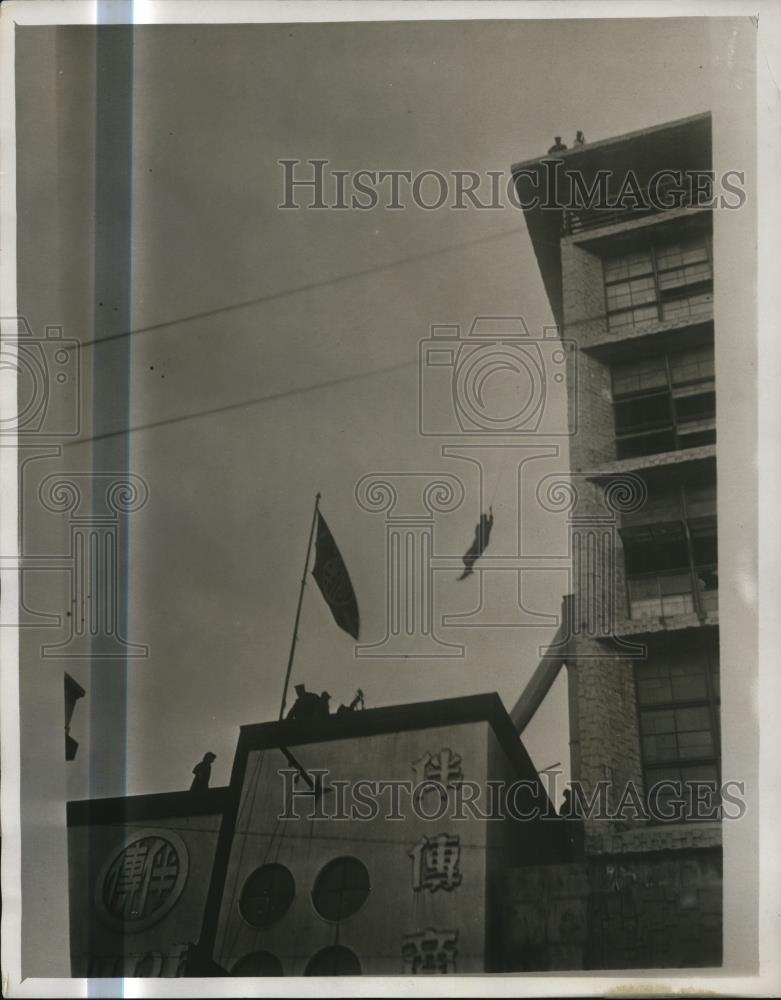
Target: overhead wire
column 300, row 289
column 248, row 303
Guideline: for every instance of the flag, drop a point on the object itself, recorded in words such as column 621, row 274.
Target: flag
column 333, row 580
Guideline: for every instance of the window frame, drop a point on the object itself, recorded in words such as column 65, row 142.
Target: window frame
column 334, row 950
column 708, row 654
column 705, row 527
column 683, row 292
column 339, row 864
column 675, row 430
column 280, row 904
column 263, row 953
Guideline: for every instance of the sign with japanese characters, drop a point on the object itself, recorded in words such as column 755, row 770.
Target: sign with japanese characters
column 430, row 952
column 435, row 863
column 141, row 881
column 445, row 767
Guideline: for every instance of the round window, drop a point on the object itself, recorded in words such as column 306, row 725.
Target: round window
column 259, row 963
column 334, row 961
column 341, row 888
column 267, row 894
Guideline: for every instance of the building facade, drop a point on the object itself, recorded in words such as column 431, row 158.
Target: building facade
column 630, row 283
column 315, row 860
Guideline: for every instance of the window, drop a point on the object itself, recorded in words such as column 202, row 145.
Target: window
column 666, row 282
column 661, row 596
column 259, row 963
column 267, row 895
column 678, row 707
column 341, row 888
column 665, row 402
column 334, row 961
column 688, row 307
column 671, row 552
column 681, row 733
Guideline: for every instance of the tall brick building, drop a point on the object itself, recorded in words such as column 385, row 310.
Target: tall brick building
column 631, row 288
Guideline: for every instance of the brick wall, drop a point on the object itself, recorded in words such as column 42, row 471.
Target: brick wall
column 605, row 737
column 661, row 910
column 608, row 742
column 584, row 297
column 671, row 836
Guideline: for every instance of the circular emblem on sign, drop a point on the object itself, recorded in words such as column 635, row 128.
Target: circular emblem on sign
column 334, row 582
column 142, row 880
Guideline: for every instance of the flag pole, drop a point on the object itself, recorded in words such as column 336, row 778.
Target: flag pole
column 298, row 609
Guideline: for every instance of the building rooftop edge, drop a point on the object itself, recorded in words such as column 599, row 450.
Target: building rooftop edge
column 617, row 140
column 487, row 707
column 149, row 806
column 410, row 715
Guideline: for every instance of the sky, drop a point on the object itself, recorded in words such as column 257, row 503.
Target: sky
column 274, row 354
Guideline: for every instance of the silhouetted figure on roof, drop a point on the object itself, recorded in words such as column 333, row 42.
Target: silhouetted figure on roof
column 557, row 147
column 307, row 706
column 324, row 707
column 203, row 772
column 480, row 543
column 580, row 139
column 570, row 807
column 357, row 700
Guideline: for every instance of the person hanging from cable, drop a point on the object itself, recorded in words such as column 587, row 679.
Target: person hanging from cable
column 479, row 544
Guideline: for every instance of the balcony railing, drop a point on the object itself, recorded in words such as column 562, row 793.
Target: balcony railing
column 662, row 199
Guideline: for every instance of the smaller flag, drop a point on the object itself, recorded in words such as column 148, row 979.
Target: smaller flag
column 334, row 581
column 479, row 544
